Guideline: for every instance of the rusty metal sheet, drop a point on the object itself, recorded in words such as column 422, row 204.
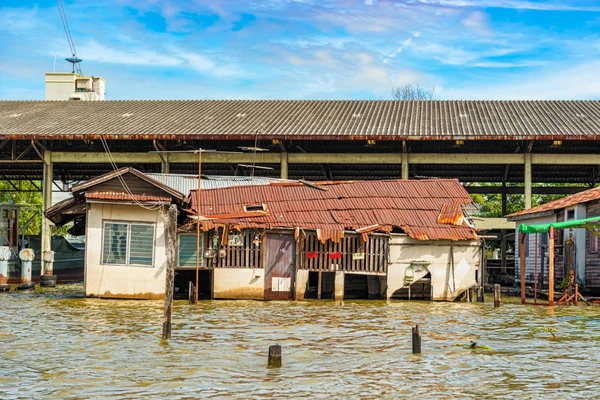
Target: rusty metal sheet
column 581, row 197
column 424, row 209
column 125, row 196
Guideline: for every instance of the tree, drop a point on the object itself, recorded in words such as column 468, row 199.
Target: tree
column 29, row 196
column 413, row 92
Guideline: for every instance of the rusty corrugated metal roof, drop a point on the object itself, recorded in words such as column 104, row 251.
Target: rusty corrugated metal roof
column 414, row 206
column 574, row 199
column 125, row 196
column 301, row 119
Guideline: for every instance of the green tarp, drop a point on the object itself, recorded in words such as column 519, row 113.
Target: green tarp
column 576, row 223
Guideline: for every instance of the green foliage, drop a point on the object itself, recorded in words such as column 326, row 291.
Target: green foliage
column 29, row 196
column 491, row 204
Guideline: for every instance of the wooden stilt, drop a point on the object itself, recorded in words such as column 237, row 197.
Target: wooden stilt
column 319, row 285
column 551, row 267
column 522, row 260
column 416, row 340
column 576, row 298
column 496, row 295
column 170, row 275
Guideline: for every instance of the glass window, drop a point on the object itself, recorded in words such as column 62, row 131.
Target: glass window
column 128, row 244
column 187, row 250
column 141, row 247
column 114, row 249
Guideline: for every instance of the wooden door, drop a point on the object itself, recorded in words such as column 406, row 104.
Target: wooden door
column 280, row 266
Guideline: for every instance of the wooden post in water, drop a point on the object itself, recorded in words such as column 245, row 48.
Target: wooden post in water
column 576, row 294
column 170, row 275
column 274, row 356
column 191, row 292
column 551, row 266
column 522, row 260
column 496, row 295
column 416, row 340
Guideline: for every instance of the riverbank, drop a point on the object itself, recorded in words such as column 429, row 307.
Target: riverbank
column 55, row 343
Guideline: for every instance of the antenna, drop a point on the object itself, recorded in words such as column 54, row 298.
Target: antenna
column 74, row 60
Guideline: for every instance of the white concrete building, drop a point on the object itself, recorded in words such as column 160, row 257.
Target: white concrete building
column 72, row 86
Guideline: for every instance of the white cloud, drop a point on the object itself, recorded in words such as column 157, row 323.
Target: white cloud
column 477, row 21
column 512, row 4
column 404, row 45
column 95, row 51
column 567, row 83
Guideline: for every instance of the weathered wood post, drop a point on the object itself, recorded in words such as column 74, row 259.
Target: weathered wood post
column 416, row 340
column 496, row 295
column 551, row 266
column 274, row 356
column 522, row 261
column 170, row 275
column 576, row 294
column 191, row 292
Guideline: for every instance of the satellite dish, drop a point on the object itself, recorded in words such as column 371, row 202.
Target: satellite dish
column 74, row 60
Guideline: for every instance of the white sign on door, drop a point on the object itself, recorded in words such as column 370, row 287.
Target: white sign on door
column 281, row 284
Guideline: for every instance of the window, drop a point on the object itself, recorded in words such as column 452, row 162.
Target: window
column 255, row 207
column 570, row 214
column 128, row 244
column 187, row 249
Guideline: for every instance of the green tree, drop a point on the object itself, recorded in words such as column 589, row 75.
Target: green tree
column 27, row 194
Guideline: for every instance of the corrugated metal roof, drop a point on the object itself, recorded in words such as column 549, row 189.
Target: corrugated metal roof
column 301, row 119
column 185, row 183
column 578, row 198
column 125, row 196
column 414, row 206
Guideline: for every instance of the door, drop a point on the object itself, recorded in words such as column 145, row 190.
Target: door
column 280, row 266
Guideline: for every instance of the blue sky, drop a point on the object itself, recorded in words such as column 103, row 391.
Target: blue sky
column 308, row 49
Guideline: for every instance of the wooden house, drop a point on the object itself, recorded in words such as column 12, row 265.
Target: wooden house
column 575, row 249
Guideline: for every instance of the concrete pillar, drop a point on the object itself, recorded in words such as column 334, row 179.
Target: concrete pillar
column 48, row 175
column 284, row 165
column 404, row 165
column 301, row 281
column 527, row 180
column 339, row 286
column 48, row 278
column 26, row 256
column 5, row 254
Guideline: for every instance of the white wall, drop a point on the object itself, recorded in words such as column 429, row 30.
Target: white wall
column 445, row 286
column 239, row 283
column 119, row 281
column 60, row 85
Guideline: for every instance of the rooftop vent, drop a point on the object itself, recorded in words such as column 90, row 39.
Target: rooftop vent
column 255, row 207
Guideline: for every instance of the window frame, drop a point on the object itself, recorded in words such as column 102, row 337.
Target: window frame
column 128, row 243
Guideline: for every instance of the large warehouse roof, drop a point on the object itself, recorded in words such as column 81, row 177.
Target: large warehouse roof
column 301, row 119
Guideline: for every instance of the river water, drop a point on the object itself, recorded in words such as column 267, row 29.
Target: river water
column 54, row 343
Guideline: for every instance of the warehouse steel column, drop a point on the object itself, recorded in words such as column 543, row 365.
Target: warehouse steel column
column 284, row 165
column 404, row 165
column 46, row 203
column 527, row 180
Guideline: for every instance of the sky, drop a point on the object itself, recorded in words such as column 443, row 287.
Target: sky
column 308, row 49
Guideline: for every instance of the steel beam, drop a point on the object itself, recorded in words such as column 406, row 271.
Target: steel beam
column 527, row 180
column 521, row 190
column 331, row 158
column 48, row 175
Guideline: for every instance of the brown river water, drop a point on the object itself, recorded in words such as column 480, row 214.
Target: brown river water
column 56, row 344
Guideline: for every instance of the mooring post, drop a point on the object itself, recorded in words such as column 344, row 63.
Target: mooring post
column 48, row 278
column 576, row 294
column 26, row 256
column 170, row 275
column 275, row 356
column 496, row 295
column 416, row 340
column 191, row 292
column 5, row 254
